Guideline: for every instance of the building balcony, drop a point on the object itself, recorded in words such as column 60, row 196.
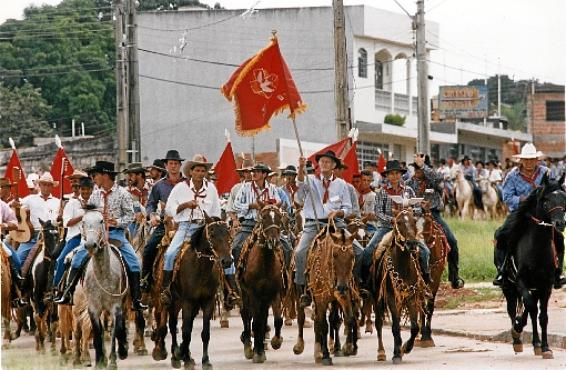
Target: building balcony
column 396, row 103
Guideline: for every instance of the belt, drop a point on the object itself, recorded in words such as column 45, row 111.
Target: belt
column 323, row 220
column 115, row 229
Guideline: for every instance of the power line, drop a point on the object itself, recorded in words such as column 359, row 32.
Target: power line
column 39, row 30
column 52, row 35
column 52, row 66
column 55, row 73
column 188, row 28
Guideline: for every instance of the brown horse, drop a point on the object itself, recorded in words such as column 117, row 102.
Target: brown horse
column 330, row 280
column 82, row 328
column 199, row 273
column 438, row 244
column 6, row 299
column 400, row 286
column 262, row 277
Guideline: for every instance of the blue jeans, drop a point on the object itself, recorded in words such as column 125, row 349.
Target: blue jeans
column 185, row 232
column 60, row 263
column 246, row 229
column 373, row 243
column 453, row 255
column 126, row 250
column 25, row 248
column 13, row 256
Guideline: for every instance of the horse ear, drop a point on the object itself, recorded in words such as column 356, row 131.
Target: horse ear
column 206, row 218
column 544, row 180
column 43, row 223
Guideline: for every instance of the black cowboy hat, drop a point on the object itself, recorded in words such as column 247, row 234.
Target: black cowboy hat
column 102, row 167
column 134, row 168
column 329, row 154
column 393, row 165
column 289, row 170
column 86, row 182
column 158, row 164
column 261, row 167
column 172, row 155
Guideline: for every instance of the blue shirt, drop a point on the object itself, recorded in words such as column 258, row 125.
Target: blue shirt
column 160, row 193
column 516, row 187
column 338, row 197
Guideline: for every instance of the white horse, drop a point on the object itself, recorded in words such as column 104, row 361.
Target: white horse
column 489, row 198
column 464, row 195
column 105, row 287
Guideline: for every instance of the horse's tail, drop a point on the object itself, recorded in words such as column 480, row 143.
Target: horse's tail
column 6, row 283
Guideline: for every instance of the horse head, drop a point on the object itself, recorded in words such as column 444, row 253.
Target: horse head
column 50, row 236
column 217, row 235
column 484, row 184
column 551, row 202
column 405, row 226
column 342, row 258
column 93, row 229
column 270, row 221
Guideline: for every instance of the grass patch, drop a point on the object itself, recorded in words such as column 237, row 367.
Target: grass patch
column 448, row 299
column 476, row 248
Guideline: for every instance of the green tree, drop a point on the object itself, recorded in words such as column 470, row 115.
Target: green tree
column 23, row 115
column 516, row 115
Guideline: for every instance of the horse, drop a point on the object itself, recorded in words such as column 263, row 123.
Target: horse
column 532, row 261
column 6, row 306
column 400, row 286
column 262, row 277
column 438, row 245
column 82, row 328
column 198, row 274
column 464, row 195
column 330, row 280
column 106, row 286
column 489, row 198
column 45, row 311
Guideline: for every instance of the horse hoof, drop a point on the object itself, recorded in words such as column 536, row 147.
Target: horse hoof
column 189, row 365
column 396, row 360
column 327, row 361
column 248, row 351
column 349, row 349
column 112, row 366
column 258, row 358
column 369, row 328
column 538, row 351
column 518, row 347
column 276, row 342
column 141, row 352
column 547, row 355
column 381, row 356
column 207, row 366
column 404, row 349
column 175, row 363
column 427, row 343
column 158, row 355
column 338, row 353
column 299, row 347
column 288, row 322
column 224, row 324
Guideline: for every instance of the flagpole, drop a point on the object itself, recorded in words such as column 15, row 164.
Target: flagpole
column 306, row 174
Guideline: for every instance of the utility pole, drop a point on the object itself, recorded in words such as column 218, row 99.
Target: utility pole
column 423, row 141
column 121, row 96
column 498, row 95
column 133, row 81
column 340, row 69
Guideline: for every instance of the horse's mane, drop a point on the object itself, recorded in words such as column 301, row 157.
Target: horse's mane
column 196, row 238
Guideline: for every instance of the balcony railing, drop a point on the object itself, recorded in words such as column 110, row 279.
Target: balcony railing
column 382, row 99
column 401, row 104
column 395, row 103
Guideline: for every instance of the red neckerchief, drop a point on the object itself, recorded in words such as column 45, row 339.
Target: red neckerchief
column 105, row 196
column 292, row 189
column 141, row 194
column 200, row 192
column 531, row 180
column 326, row 186
column 262, row 196
column 361, row 197
column 390, row 191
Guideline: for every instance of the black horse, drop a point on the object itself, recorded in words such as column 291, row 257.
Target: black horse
column 533, row 261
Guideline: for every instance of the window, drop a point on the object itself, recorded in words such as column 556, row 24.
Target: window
column 368, row 152
column 378, row 74
column 555, row 110
column 362, row 63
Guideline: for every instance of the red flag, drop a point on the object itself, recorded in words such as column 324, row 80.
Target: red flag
column 381, row 162
column 350, row 160
column 225, row 169
column 12, row 174
column 337, row 148
column 56, row 169
column 260, row 88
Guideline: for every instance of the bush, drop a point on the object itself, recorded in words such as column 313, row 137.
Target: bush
column 394, row 119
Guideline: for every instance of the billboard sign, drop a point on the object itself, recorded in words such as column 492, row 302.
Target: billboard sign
column 457, row 102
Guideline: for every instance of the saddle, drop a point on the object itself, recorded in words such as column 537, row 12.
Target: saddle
column 26, row 266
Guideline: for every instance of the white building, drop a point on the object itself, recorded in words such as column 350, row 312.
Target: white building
column 181, row 105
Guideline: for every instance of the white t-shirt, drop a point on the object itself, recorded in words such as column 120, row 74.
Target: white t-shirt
column 44, row 209
column 73, row 209
column 495, row 175
column 207, row 200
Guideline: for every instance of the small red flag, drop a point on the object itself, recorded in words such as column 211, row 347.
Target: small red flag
column 57, row 169
column 16, row 174
column 381, row 162
column 337, row 148
column 225, row 169
column 260, row 88
column 351, row 160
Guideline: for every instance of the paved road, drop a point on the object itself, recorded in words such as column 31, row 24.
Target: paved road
column 226, row 353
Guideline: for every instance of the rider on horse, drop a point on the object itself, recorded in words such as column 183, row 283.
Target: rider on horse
column 8, row 221
column 118, row 211
column 187, row 204
column 426, row 178
column 518, row 183
column 158, row 196
column 470, row 174
column 138, row 187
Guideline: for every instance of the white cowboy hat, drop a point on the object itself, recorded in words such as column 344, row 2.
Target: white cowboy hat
column 198, row 160
column 528, row 151
column 46, row 178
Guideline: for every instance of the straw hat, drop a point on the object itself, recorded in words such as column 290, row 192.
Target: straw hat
column 46, row 178
column 529, row 151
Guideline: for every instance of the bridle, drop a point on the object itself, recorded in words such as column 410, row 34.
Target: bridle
column 212, row 255
column 268, row 208
column 400, row 240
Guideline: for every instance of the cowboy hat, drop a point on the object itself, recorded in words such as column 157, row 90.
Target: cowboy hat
column 247, row 165
column 393, row 165
column 77, row 174
column 198, row 160
column 289, row 170
column 135, row 167
column 261, row 167
column 103, row 167
column 158, row 164
column 329, row 154
column 172, row 155
column 46, row 178
column 529, row 151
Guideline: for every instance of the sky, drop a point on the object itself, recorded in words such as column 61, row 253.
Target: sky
column 521, row 38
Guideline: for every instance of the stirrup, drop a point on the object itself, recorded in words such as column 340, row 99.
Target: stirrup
column 19, row 302
column 65, row 299
column 305, row 300
column 144, row 283
column 166, row 298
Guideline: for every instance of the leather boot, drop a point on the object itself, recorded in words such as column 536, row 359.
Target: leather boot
column 135, row 291
column 146, row 276
column 456, row 281
column 67, row 294
column 233, row 295
column 166, row 297
column 17, row 280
